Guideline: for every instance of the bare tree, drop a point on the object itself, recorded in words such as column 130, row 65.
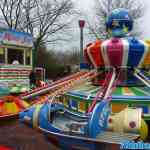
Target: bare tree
column 43, row 19
column 73, row 57
column 103, row 9
column 68, row 57
column 11, row 11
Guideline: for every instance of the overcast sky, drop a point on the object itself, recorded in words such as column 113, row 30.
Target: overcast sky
column 146, row 20
column 86, row 6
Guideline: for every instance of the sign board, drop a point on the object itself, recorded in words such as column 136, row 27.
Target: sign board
column 12, row 37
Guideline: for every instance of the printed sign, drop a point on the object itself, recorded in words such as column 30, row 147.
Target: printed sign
column 12, row 37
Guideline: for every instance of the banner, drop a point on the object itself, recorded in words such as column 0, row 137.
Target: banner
column 12, row 37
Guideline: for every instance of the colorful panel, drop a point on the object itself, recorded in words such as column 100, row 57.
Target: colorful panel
column 82, row 107
column 89, row 104
column 11, row 74
column 146, row 90
column 94, row 54
column 10, row 108
column 139, row 91
column 145, row 109
column 12, row 37
column 118, row 91
column 127, row 91
column 116, row 108
column 73, row 104
column 144, row 57
column 146, row 60
column 86, row 57
column 136, row 52
column 65, row 102
column 115, row 52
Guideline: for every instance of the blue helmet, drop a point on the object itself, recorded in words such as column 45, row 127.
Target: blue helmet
column 119, row 22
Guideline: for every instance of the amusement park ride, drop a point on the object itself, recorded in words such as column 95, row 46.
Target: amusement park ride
column 98, row 107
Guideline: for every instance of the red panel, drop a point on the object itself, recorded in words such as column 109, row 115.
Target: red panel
column 115, row 52
column 95, row 55
column 86, row 57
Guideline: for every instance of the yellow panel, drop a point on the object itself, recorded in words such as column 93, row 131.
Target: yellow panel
column 147, row 57
column 81, row 106
column 118, row 107
column 25, row 104
column 144, row 130
column 65, row 102
column 28, row 53
column 1, row 51
column 10, row 108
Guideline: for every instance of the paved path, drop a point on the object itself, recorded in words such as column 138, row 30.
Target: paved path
column 20, row 137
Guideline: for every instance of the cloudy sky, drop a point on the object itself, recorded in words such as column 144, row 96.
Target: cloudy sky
column 146, row 20
column 86, row 7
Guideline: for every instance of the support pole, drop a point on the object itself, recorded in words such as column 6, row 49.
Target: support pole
column 81, row 26
column 81, row 45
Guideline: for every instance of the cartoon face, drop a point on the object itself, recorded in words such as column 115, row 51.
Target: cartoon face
column 119, row 23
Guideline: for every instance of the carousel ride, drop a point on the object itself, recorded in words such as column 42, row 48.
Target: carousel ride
column 101, row 107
